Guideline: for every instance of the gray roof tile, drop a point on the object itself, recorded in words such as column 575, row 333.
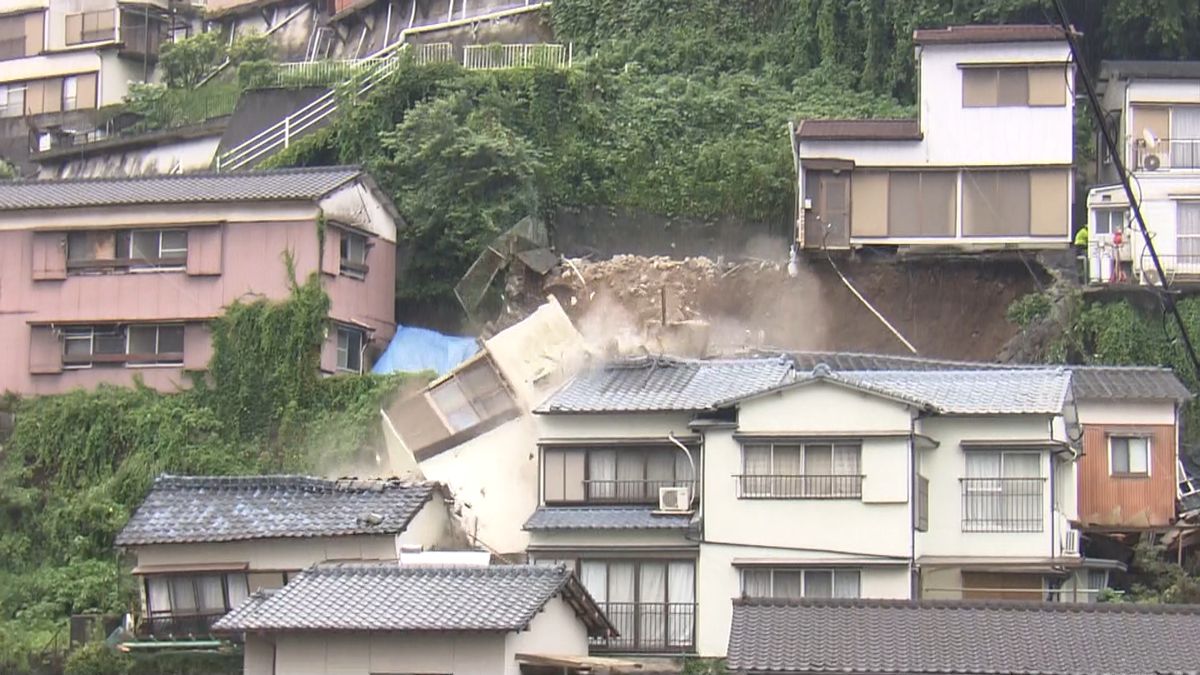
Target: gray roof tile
column 1126, row 383
column 281, row 184
column 872, row 637
column 390, row 597
column 666, row 384
column 972, row 392
column 604, row 518
column 187, row 509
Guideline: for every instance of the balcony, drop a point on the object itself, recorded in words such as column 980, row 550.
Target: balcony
column 810, row 486
column 631, row 491
column 649, row 628
column 141, row 40
column 1003, row 504
column 177, row 626
column 1165, row 154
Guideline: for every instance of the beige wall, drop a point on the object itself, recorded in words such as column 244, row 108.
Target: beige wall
column 1126, row 412
column 538, row 354
column 555, row 630
column 271, row 554
column 369, row 653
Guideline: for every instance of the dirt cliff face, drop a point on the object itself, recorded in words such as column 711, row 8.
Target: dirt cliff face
column 952, row 308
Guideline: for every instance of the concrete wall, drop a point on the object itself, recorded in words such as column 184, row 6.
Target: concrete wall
column 251, row 245
column 179, row 156
column 555, row 630
column 604, row 232
column 259, row 109
column 368, row 653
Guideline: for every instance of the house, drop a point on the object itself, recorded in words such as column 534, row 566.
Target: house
column 665, row 482
column 1154, row 109
column 986, row 163
column 202, row 545
column 63, row 60
column 471, row 429
column 102, row 280
column 880, row 637
column 357, row 619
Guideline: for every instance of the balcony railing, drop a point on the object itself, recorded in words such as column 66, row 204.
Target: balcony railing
column 1003, row 504
column 810, row 486
column 1165, row 153
column 142, row 40
column 631, row 491
column 649, row 627
column 175, row 626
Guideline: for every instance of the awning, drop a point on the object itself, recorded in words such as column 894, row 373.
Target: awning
column 180, row 568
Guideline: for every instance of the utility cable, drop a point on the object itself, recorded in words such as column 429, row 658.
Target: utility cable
column 1110, row 144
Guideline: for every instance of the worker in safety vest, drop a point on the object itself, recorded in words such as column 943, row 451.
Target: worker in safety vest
column 1081, row 252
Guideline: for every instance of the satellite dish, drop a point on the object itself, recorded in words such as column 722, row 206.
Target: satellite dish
column 1149, row 137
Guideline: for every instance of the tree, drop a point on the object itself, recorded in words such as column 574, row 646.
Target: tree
column 185, row 62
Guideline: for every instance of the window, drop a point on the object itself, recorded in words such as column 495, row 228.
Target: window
column 801, row 583
column 652, row 603
column 1129, row 455
column 1002, row 492
column 105, row 251
column 12, row 100
column 191, row 603
column 354, row 255
column 117, row 345
column 801, row 470
column 996, row 203
column 990, row 87
column 627, row 475
column 349, row 349
column 70, row 92
column 922, row 203
column 473, row 395
column 1108, row 221
column 13, row 43
column 91, row 26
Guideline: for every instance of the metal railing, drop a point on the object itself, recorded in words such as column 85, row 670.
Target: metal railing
column 631, row 491
column 810, row 486
column 1165, row 153
column 142, row 39
column 649, row 627
column 281, row 134
column 489, row 57
column 178, row 625
column 1003, row 504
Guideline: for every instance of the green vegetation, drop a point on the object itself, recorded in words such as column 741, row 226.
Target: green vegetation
column 77, row 464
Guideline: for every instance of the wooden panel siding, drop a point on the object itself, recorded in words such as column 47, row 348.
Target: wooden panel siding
column 1127, row 501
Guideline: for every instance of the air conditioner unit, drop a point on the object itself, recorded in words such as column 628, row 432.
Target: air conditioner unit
column 674, row 500
column 1151, row 163
column 1071, row 542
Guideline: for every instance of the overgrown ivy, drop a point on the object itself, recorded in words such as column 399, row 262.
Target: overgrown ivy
column 78, row 463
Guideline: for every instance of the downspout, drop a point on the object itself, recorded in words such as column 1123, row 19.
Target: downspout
column 696, row 478
column 797, row 230
column 914, row 590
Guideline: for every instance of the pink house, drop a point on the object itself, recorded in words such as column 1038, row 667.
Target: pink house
column 105, row 279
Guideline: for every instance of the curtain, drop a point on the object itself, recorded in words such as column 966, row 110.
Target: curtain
column 818, row 460
column 847, row 584
column 631, row 472
column 756, row 465
column 681, row 617
column 1022, row 465
column 238, row 588
column 846, row 460
column 652, row 612
column 158, row 595
column 602, row 471
column 210, row 593
column 787, row 584
column 621, row 608
column 818, row 584
column 1139, row 455
column 756, row 583
column 594, row 576
column 1185, row 137
column 660, row 471
column 982, row 490
column 1187, row 238
column 183, row 595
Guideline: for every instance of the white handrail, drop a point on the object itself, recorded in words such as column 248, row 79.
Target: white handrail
column 380, row 65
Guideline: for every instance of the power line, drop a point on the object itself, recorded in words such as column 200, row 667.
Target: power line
column 1110, row 144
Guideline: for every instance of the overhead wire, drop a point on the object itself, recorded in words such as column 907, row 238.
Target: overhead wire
column 1110, row 143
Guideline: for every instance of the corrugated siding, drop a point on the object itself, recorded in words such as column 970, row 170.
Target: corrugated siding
column 1128, row 502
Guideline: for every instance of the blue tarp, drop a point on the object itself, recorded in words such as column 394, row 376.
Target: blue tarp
column 416, row 349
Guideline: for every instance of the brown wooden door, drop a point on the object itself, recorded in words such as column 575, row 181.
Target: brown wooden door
column 828, row 223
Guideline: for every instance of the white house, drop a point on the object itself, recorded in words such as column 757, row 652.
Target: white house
column 814, row 475
column 985, row 164
column 1154, row 108
column 359, row 619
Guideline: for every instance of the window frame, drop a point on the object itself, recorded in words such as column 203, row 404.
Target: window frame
column 7, row 92
column 994, row 72
column 193, row 577
column 804, row 572
column 767, row 489
column 124, row 261
column 1004, row 523
column 348, row 266
column 689, row 618
column 1107, row 212
column 127, row 359
column 1149, row 450
column 645, row 451
column 361, row 334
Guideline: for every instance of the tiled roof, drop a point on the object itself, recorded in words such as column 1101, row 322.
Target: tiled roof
column 1126, row 69
column 604, row 518
column 838, row 361
column 276, row 185
column 1127, row 382
column 666, row 384
column 984, row 34
column 187, row 509
column 881, row 637
column 967, row 392
column 866, row 130
column 390, row 597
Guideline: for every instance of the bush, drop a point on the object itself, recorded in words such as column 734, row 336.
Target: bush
column 185, row 62
column 1029, row 308
column 97, row 658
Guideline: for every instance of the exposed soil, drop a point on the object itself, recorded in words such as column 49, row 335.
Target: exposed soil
column 951, row 308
